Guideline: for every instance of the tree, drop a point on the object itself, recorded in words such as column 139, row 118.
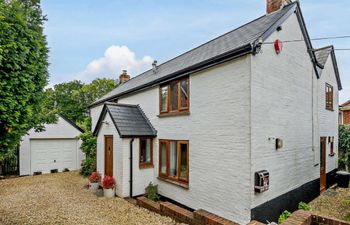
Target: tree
column 344, row 146
column 23, row 71
column 70, row 100
column 73, row 98
column 97, row 88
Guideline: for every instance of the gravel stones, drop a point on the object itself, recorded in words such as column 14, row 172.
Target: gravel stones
column 62, row 199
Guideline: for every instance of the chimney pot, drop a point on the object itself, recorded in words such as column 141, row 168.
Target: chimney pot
column 275, row 5
column 124, row 77
column 154, row 66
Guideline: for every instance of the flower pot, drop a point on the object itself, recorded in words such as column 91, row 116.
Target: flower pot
column 109, row 193
column 94, row 186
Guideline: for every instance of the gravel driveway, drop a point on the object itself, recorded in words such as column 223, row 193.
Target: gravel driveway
column 62, row 199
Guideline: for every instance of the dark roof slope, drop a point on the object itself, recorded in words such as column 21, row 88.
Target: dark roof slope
column 71, row 123
column 245, row 36
column 129, row 120
column 322, row 55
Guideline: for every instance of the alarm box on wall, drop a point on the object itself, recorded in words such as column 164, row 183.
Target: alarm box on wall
column 262, row 181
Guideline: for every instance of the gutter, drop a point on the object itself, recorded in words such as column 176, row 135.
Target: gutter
column 131, row 166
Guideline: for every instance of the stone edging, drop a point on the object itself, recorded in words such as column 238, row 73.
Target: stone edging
column 182, row 215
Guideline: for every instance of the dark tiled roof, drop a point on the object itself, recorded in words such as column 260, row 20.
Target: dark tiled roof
column 322, row 54
column 247, row 34
column 129, row 120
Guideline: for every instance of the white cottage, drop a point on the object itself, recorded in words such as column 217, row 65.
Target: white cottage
column 240, row 126
column 55, row 149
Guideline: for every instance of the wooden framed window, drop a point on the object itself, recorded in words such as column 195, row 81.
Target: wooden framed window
column 174, row 160
column 329, row 97
column 174, row 97
column 331, row 143
column 146, row 153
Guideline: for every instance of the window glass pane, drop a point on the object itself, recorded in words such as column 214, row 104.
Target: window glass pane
column 142, row 151
column 183, row 161
column 163, row 159
column 145, row 151
column 173, row 159
column 148, row 150
column 164, row 103
column 184, row 93
column 174, row 96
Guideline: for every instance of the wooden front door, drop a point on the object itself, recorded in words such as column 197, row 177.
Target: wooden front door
column 323, row 163
column 109, row 155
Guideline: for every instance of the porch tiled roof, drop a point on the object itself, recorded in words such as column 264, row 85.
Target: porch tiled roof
column 129, row 120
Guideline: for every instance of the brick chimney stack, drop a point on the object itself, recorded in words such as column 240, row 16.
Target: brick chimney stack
column 124, row 77
column 275, row 5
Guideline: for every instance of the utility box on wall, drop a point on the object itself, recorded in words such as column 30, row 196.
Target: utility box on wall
column 262, row 181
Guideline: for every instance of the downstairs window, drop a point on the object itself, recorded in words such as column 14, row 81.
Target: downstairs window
column 146, row 153
column 173, row 160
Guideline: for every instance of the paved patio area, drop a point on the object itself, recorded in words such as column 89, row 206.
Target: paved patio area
column 62, row 199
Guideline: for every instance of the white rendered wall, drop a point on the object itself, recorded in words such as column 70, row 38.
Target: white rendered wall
column 108, row 128
column 282, row 107
column 218, row 134
column 95, row 115
column 328, row 120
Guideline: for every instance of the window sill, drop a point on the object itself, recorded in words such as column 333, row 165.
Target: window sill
column 332, row 110
column 174, row 114
column 332, row 154
column 146, row 166
column 180, row 184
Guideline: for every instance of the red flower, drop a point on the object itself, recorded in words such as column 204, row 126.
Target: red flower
column 108, row 182
column 95, row 177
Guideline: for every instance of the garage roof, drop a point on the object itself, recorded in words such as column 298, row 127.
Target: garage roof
column 129, row 120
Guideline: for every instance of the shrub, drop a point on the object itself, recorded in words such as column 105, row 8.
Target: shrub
column 95, row 177
column 304, row 206
column 344, row 146
column 108, row 182
column 284, row 216
column 88, row 146
column 347, row 217
column 88, row 166
column 152, row 192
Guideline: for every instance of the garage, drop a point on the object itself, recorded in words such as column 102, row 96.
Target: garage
column 55, row 149
column 49, row 155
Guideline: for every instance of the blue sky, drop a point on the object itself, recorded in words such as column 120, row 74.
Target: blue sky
column 99, row 38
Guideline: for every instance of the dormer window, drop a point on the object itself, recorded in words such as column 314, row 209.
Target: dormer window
column 174, row 97
column 329, row 97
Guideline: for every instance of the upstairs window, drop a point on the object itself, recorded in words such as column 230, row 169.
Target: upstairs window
column 329, row 97
column 174, row 97
column 146, row 153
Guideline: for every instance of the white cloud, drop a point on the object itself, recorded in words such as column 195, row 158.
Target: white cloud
column 116, row 58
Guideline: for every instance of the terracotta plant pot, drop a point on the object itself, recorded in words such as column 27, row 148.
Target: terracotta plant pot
column 109, row 193
column 94, row 186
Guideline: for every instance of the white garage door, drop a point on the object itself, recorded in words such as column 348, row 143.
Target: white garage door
column 50, row 154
